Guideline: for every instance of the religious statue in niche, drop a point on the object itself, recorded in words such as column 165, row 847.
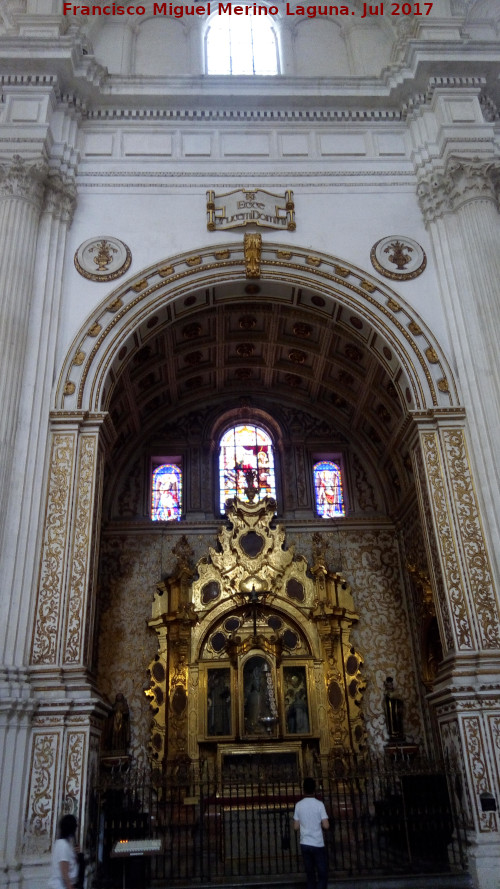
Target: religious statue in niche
column 219, row 702
column 116, row 738
column 260, row 709
column 393, row 707
column 296, row 706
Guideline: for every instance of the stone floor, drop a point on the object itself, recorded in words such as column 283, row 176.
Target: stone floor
column 431, row 881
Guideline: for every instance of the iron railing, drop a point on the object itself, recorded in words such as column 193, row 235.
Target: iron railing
column 386, row 817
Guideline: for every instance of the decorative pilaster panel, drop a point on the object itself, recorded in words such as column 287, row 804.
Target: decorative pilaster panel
column 449, row 556
column 54, row 548
column 468, row 743
column 65, row 606
column 41, row 809
column 476, row 564
column 64, row 762
column 195, row 709
column 73, row 771
column 81, row 553
column 454, row 751
column 476, row 750
column 494, row 740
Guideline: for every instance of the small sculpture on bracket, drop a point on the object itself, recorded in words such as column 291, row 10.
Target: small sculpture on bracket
column 116, row 738
column 393, row 708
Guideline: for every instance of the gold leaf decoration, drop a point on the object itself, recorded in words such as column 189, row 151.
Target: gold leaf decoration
column 341, row 271
column 414, row 328
column 367, row 285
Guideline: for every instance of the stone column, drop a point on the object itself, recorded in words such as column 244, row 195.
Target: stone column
column 466, row 696
column 35, row 211
column 66, row 728
column 22, row 186
column 459, row 203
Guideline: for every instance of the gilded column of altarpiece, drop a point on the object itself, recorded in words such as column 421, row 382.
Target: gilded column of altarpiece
column 253, row 647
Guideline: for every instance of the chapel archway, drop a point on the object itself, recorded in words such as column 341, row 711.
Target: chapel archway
column 427, row 437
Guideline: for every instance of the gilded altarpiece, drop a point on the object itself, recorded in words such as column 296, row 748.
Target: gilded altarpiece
column 254, row 649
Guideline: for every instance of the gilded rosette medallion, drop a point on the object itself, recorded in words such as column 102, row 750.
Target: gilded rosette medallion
column 398, row 257
column 102, row 259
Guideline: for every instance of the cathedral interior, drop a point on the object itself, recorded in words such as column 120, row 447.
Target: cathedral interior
column 249, row 486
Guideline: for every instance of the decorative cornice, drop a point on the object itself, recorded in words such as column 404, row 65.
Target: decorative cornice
column 462, row 180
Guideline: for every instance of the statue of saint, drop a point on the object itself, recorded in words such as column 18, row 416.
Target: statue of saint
column 393, row 707
column 117, row 730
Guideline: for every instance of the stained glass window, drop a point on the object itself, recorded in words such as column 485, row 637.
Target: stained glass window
column 166, row 495
column 245, row 45
column 246, row 465
column 328, row 489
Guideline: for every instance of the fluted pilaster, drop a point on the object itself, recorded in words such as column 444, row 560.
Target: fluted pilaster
column 459, row 203
column 22, row 186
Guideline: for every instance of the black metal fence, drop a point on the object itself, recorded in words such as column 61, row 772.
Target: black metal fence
column 386, row 818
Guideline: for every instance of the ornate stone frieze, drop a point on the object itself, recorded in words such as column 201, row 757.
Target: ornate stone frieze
column 462, row 180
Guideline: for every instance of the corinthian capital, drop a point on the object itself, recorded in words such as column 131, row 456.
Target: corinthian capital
column 60, row 197
column 462, row 180
column 24, row 179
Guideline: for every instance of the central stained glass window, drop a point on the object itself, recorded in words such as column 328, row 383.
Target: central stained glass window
column 246, row 465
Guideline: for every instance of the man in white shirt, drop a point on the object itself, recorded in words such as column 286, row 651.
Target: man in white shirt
column 311, row 819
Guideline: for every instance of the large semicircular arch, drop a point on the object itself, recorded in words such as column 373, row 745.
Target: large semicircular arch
column 100, row 346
